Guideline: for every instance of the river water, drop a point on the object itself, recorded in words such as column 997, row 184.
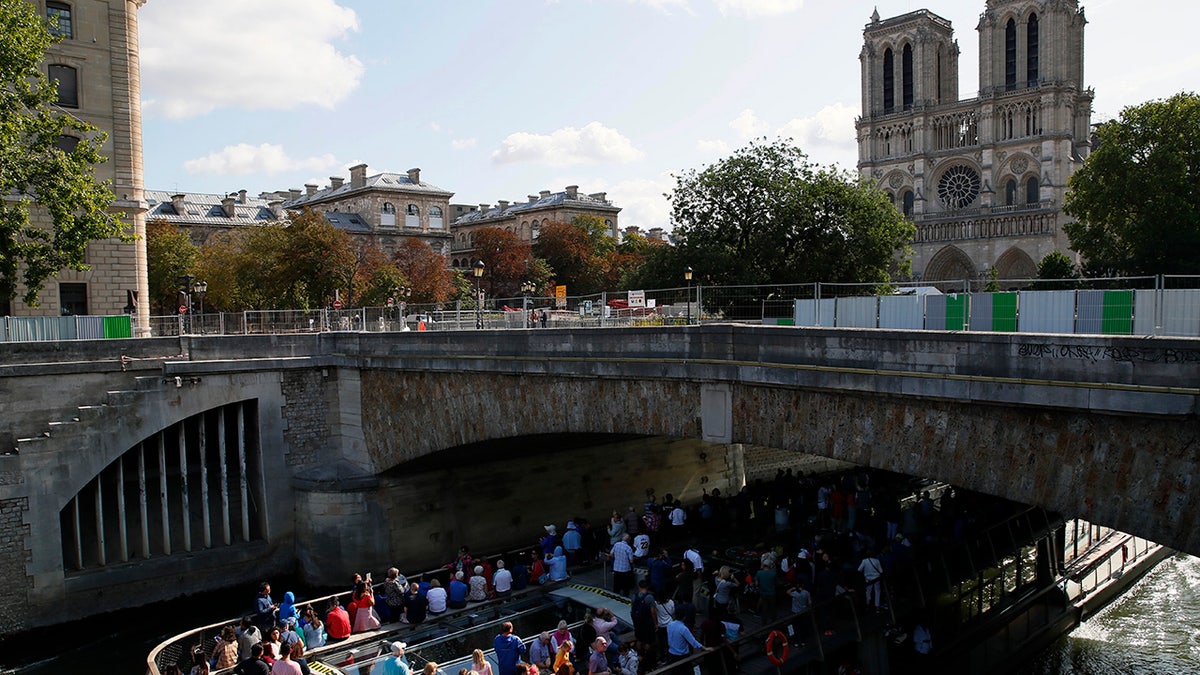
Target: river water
column 1153, row 628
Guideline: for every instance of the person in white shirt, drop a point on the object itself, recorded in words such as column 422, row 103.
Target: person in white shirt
column 641, row 548
column 502, row 580
column 436, row 595
column 678, row 516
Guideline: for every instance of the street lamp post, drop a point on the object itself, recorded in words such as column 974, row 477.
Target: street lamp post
column 526, row 291
column 478, row 295
column 402, row 294
column 687, row 276
column 185, row 300
column 200, row 288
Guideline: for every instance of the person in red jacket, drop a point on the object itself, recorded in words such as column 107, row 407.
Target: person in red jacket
column 337, row 622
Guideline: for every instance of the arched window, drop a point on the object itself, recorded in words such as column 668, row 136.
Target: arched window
column 435, row 218
column 1032, row 191
column 66, row 79
column 1010, row 55
column 889, row 82
column 387, row 215
column 1010, row 193
column 412, row 216
column 536, row 230
column 1031, row 51
column 59, row 14
column 908, row 203
column 907, row 75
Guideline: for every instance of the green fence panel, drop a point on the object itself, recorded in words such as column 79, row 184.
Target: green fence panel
column 117, row 327
column 1118, row 313
column 956, row 311
column 1004, row 312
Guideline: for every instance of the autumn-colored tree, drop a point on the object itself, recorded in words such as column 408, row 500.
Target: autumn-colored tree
column 580, row 252
column 376, row 276
column 425, row 271
column 506, row 260
column 320, row 259
column 170, row 254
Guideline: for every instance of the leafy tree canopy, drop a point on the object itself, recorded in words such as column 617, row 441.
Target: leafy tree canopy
column 506, row 261
column 426, row 272
column 1136, row 200
column 580, row 253
column 36, row 168
column 765, row 215
column 171, row 254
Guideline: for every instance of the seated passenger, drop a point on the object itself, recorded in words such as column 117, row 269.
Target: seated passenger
column 337, row 622
column 436, row 597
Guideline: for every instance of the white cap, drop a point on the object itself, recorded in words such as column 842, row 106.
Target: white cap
column 398, row 647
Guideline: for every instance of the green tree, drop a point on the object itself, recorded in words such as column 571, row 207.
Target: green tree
column 40, row 178
column 765, row 215
column 1057, row 271
column 1136, row 200
column 170, row 254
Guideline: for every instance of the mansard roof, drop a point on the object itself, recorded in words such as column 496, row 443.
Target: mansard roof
column 206, row 209
column 388, row 182
column 545, row 201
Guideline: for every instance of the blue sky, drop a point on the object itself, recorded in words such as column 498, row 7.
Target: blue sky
column 499, row 100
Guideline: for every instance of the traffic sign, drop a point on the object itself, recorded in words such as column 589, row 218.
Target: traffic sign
column 183, row 309
column 391, row 302
column 337, row 304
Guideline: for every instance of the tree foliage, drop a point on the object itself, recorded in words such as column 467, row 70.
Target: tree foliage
column 1136, row 200
column 171, row 254
column 426, row 272
column 765, row 215
column 40, row 175
column 580, row 253
column 506, row 260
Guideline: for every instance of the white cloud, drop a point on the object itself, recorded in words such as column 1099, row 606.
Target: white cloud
column 245, row 159
column 828, row 136
column 462, row 143
column 261, row 55
column 665, row 6
column 713, row 147
column 435, row 127
column 751, row 8
column 642, row 200
column 748, row 125
column 567, row 147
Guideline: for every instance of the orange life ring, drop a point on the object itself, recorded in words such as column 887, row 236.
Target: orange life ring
column 773, row 640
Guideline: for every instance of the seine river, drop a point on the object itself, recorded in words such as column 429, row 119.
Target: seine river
column 1153, row 628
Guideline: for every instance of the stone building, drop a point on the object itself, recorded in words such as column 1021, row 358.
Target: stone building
column 96, row 68
column 526, row 218
column 201, row 215
column 383, row 208
column 982, row 178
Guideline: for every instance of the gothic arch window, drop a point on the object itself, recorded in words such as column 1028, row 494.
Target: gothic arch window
column 1031, row 51
column 908, row 203
column 1015, row 264
column 889, row 82
column 1032, row 191
column 435, row 218
column 1010, row 55
column 938, row 74
column 1010, row 193
column 891, row 197
column 66, row 79
column 907, row 77
column 61, row 25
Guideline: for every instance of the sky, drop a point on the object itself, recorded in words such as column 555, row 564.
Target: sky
column 500, row 100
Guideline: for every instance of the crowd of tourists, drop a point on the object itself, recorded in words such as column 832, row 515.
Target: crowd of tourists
column 821, row 538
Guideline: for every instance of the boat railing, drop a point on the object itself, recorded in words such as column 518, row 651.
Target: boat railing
column 1092, row 575
column 177, row 649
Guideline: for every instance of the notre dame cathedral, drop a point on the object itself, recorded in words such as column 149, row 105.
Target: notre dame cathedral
column 983, row 179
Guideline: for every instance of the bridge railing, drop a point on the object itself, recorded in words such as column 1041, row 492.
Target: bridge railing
column 1167, row 305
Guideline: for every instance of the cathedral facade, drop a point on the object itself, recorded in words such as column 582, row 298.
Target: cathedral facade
column 983, row 179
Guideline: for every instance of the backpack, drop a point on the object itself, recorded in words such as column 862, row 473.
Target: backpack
column 639, row 609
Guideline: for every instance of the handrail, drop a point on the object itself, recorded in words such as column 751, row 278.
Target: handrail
column 152, row 658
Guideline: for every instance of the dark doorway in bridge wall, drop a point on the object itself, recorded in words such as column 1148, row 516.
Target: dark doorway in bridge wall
column 193, row 486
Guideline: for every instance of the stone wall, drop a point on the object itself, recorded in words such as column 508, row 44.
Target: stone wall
column 14, row 554
column 306, row 416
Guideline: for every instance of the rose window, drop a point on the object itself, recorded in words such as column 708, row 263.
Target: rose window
column 959, row 187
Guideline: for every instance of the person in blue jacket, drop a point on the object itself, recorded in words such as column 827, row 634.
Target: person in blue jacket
column 509, row 650
column 457, row 593
column 557, row 564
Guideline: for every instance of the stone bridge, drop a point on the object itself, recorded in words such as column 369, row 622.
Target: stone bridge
column 142, row 469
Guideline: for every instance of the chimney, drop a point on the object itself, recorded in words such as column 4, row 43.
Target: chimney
column 358, row 176
column 503, row 205
column 335, row 182
column 241, row 196
column 178, row 205
column 310, row 189
column 631, row 230
column 602, row 196
column 572, row 191
column 414, row 176
column 532, row 198
column 483, row 208
column 293, row 193
column 276, row 207
column 657, row 233
column 227, row 206
column 544, row 194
